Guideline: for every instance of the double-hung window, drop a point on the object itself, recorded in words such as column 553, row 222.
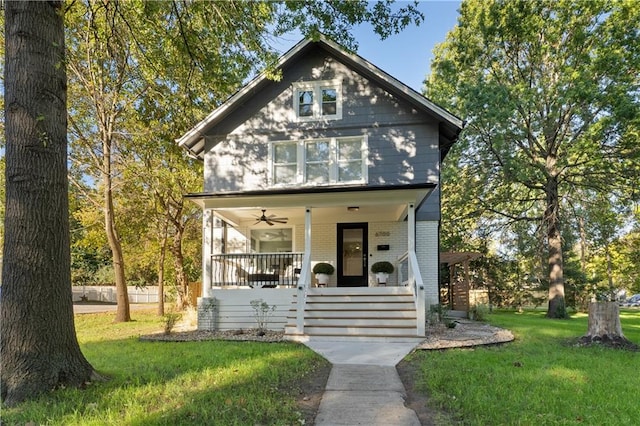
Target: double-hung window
column 317, row 100
column 319, row 161
column 285, row 163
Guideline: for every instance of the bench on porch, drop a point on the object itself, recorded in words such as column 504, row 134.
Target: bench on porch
column 262, row 280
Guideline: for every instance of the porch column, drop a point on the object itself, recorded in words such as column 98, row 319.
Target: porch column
column 411, row 235
column 305, row 276
column 207, row 251
column 307, row 230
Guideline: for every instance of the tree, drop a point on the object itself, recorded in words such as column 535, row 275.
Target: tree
column 550, row 93
column 183, row 59
column 221, row 42
column 38, row 345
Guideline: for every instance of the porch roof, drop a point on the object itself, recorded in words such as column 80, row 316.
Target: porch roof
column 320, row 196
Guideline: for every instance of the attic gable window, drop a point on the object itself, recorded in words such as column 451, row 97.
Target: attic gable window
column 317, row 100
column 319, row 161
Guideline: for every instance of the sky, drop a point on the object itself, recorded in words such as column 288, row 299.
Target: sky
column 407, row 55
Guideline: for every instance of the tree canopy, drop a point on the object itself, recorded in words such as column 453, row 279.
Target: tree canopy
column 549, row 90
column 143, row 72
column 140, row 73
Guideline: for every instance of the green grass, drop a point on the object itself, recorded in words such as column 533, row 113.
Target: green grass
column 539, row 379
column 166, row 383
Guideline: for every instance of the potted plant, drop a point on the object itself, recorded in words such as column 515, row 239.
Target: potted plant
column 323, row 271
column 382, row 271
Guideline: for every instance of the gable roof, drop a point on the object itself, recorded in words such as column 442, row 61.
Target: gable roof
column 449, row 125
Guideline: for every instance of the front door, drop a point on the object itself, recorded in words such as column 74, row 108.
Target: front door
column 352, row 254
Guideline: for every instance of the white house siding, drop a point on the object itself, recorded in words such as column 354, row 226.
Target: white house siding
column 427, row 254
column 234, row 309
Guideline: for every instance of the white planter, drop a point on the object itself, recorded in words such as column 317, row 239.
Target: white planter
column 322, row 278
column 382, row 277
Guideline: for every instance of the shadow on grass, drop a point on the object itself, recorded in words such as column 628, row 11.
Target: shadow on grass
column 539, row 378
column 153, row 383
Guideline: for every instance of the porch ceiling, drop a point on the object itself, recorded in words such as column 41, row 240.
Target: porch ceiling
column 379, row 203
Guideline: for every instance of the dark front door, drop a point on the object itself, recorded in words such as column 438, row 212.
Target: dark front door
column 353, row 252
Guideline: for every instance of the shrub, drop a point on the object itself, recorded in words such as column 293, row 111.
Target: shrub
column 323, row 268
column 262, row 314
column 170, row 321
column 438, row 314
column 383, row 266
column 479, row 312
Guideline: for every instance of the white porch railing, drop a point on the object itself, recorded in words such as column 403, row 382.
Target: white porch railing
column 304, row 282
column 408, row 265
column 256, row 270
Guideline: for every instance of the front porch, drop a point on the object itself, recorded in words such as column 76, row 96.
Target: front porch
column 248, row 255
column 306, row 311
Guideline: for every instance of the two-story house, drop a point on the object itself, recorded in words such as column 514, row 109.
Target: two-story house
column 337, row 162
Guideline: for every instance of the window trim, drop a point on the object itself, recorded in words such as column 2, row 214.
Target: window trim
column 334, row 162
column 316, row 87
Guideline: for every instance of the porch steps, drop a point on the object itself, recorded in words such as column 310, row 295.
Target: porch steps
column 363, row 313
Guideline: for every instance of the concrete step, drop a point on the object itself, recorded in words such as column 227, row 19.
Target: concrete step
column 356, row 314
column 327, row 291
column 363, row 330
column 341, row 338
column 333, row 313
column 360, row 298
column 360, row 322
column 356, row 306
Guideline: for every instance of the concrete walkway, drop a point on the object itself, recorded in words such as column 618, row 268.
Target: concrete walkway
column 364, row 387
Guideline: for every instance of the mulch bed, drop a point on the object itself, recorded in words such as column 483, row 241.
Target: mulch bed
column 252, row 335
column 612, row 342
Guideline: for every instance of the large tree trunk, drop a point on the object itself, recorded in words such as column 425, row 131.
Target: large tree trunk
column 38, row 346
column 557, row 308
column 612, row 290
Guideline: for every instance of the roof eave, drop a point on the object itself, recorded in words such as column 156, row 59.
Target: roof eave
column 196, row 134
column 315, row 196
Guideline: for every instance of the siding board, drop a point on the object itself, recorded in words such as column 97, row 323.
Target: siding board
column 403, row 143
column 235, row 311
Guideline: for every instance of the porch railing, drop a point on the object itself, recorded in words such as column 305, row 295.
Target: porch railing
column 409, row 275
column 257, row 270
column 403, row 269
column 301, row 298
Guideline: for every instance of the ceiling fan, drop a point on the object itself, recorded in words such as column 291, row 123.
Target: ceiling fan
column 271, row 219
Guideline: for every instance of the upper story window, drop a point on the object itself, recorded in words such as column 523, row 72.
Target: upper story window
column 319, row 161
column 317, row 100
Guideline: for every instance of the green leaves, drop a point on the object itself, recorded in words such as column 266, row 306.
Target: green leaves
column 549, row 90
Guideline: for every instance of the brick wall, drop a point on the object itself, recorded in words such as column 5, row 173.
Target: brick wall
column 393, row 234
column 427, row 254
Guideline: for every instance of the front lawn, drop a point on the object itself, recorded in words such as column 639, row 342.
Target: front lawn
column 165, row 383
column 541, row 378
